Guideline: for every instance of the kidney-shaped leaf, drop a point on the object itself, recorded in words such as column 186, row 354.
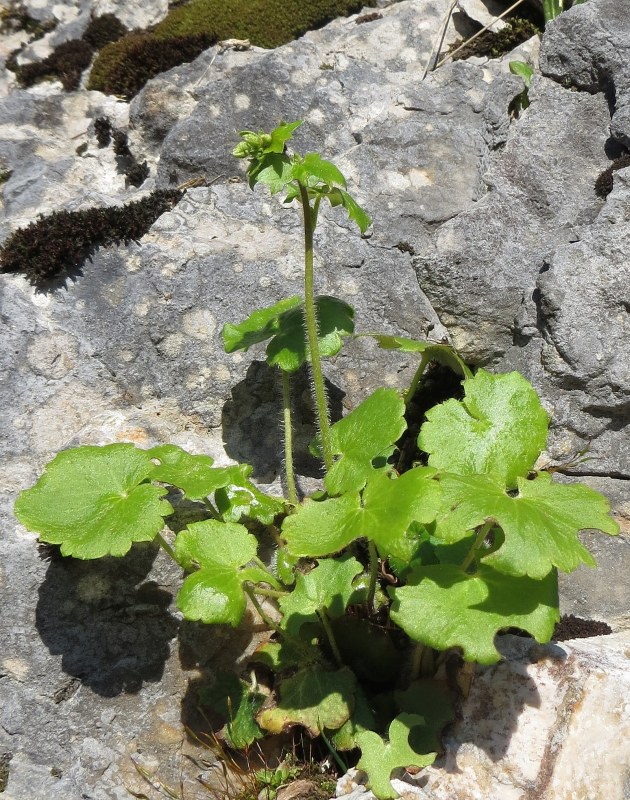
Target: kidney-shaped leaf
column 211, row 541
column 382, row 515
column 95, row 501
column 315, row 698
column 379, row 759
column 327, row 588
column 443, row 606
column 499, row 429
column 540, row 523
column 365, row 433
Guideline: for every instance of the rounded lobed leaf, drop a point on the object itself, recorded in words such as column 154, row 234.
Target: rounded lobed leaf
column 327, row 588
column 213, row 595
column 95, row 501
column 373, row 427
column 379, row 759
column 261, row 325
column 441, row 353
column 315, row 698
column 443, row 606
column 499, row 429
column 194, row 475
column 540, row 523
column 213, row 542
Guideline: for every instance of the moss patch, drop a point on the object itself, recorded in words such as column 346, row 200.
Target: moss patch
column 67, row 61
column 124, row 67
column 58, row 245
column 494, row 45
column 604, row 182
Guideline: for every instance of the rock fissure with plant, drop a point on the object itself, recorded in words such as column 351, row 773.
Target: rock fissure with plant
column 463, row 543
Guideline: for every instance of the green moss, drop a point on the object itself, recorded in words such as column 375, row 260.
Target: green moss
column 123, row 68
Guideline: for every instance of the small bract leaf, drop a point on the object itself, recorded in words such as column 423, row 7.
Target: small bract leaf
column 238, row 704
column 281, row 135
column 274, row 170
column 258, row 327
column 288, row 349
column 499, row 429
column 443, row 606
column 194, row 475
column 375, row 425
column 339, row 197
column 315, row 698
column 383, row 515
column 380, row 759
column 540, row 523
column 241, row 498
column 441, row 353
column 313, row 169
column 283, row 324
column 328, row 588
column 95, row 501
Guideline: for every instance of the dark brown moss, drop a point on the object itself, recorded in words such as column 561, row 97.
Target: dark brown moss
column 5, row 174
column 65, row 63
column 57, row 245
column 124, row 67
column 103, row 131
column 604, row 182
column 17, row 18
column 572, row 627
column 494, row 45
column 103, row 30
column 368, row 18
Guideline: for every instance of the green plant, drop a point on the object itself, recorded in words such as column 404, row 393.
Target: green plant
column 379, row 575
column 526, row 72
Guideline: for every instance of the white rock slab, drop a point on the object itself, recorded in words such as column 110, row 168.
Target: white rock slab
column 549, row 723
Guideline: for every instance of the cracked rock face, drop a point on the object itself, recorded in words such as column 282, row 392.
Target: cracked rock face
column 487, row 234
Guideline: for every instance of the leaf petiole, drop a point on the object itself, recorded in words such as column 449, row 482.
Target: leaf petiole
column 288, row 438
column 166, row 547
column 480, row 539
column 323, row 616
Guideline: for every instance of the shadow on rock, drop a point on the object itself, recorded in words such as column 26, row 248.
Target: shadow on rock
column 208, row 649
column 252, row 422
column 112, row 629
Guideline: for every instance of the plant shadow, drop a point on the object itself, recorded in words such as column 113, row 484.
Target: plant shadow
column 252, row 422
column 111, row 627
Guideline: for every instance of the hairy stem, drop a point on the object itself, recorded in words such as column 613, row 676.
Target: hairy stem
column 416, row 661
column 310, row 316
column 249, row 591
column 331, row 637
column 373, row 577
column 288, row 438
column 416, row 379
column 270, row 592
column 166, row 547
column 335, row 755
column 481, row 537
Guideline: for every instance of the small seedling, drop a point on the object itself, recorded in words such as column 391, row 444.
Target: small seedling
column 380, row 575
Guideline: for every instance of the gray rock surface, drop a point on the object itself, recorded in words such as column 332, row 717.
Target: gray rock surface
column 487, row 233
